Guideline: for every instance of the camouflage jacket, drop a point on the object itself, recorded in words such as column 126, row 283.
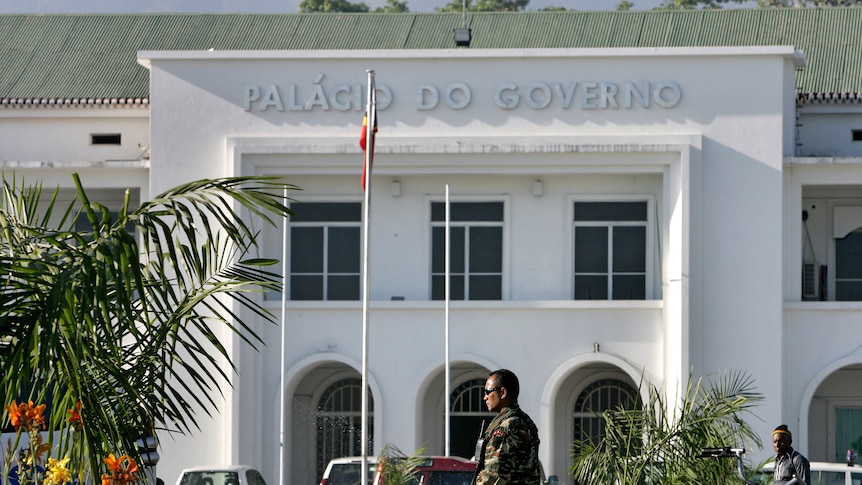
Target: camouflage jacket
column 511, row 455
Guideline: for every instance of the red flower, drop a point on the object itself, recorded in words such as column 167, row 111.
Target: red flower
column 75, row 416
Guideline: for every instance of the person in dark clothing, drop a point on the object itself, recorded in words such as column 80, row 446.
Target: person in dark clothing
column 789, row 463
column 510, row 455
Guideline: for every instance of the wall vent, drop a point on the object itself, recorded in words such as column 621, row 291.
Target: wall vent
column 810, row 281
column 104, row 138
column 857, row 135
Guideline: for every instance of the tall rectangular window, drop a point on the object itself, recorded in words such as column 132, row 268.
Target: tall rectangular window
column 476, row 246
column 325, row 250
column 610, row 245
column 848, row 267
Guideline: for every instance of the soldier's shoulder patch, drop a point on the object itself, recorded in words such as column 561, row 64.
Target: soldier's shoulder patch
column 499, row 433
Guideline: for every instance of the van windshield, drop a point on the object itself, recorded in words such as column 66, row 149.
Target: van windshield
column 210, row 478
column 348, row 474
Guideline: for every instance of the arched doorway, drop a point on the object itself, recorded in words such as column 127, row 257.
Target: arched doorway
column 468, row 417
column 581, row 393
column 467, row 410
column 599, row 396
column 338, row 419
column 835, row 416
column 326, row 416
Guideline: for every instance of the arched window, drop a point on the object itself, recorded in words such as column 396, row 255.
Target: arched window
column 339, row 422
column 468, row 417
column 597, row 398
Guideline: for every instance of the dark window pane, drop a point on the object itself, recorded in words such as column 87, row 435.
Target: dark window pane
column 848, row 256
column 343, row 250
column 457, row 254
column 306, row 250
column 343, row 288
column 326, row 211
column 457, row 290
column 629, row 250
column 848, row 291
column 591, row 288
column 438, row 246
column 629, row 287
column 591, row 250
column 437, row 287
column 467, row 211
column 610, row 211
column 486, row 288
column 438, row 250
column 438, row 292
column 486, row 250
column 306, row 287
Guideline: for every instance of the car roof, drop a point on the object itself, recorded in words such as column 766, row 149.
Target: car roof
column 219, row 468
column 429, row 461
column 825, row 466
column 351, row 459
column 445, row 463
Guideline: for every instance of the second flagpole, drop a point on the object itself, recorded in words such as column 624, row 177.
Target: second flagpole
column 369, row 153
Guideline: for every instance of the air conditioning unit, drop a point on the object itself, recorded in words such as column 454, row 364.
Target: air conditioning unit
column 810, row 281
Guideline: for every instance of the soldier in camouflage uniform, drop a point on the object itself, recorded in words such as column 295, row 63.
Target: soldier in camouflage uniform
column 509, row 453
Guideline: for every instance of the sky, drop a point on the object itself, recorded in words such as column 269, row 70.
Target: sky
column 258, row 6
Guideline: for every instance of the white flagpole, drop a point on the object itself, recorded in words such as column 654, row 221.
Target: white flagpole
column 283, row 333
column 447, row 393
column 369, row 151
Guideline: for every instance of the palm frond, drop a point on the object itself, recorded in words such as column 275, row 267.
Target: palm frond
column 659, row 441
column 124, row 324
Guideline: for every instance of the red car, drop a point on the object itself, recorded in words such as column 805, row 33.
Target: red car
column 440, row 470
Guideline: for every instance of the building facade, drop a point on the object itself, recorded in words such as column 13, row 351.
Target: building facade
column 619, row 215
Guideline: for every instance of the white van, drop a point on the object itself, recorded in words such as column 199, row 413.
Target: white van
column 822, row 473
column 346, row 471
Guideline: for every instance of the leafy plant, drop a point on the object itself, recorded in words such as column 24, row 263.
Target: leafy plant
column 396, row 468
column 118, row 322
column 658, row 442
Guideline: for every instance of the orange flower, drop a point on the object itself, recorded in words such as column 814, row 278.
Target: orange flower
column 75, row 416
column 26, row 415
column 14, row 414
column 123, row 470
column 113, row 463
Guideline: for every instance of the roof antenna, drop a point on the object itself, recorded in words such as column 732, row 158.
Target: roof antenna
column 463, row 35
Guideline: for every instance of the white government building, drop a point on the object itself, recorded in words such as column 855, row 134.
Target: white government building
column 633, row 194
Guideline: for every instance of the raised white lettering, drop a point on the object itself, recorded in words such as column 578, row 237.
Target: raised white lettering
column 335, row 99
column 506, row 95
column 252, row 94
column 566, row 96
column 589, row 95
column 271, row 98
column 667, row 94
column 530, row 95
column 630, row 92
column 458, row 95
column 427, row 97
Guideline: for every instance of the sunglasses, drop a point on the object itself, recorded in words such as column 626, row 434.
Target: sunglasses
column 489, row 391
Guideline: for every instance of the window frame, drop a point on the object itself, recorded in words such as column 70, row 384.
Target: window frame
column 506, row 226
column 287, row 247
column 651, row 247
column 832, row 279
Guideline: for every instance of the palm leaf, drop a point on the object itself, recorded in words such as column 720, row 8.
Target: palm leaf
column 658, row 442
column 125, row 325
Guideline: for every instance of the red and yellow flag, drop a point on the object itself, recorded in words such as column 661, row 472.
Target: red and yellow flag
column 369, row 128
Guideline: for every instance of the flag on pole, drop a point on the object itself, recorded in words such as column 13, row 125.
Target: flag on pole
column 369, row 128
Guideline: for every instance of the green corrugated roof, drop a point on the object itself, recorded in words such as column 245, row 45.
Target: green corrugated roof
column 94, row 56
